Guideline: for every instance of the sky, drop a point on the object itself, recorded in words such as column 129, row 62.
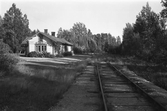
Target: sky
column 100, row 16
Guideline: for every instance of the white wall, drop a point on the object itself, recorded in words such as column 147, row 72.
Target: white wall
column 35, row 39
column 32, row 43
column 69, row 48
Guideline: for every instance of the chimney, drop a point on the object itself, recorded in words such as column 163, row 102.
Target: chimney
column 53, row 34
column 46, row 31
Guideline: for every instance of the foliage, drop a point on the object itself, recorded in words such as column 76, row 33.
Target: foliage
column 130, row 39
column 4, row 48
column 77, row 50
column 86, row 42
column 7, row 61
column 59, row 55
column 32, row 54
column 164, row 11
column 46, row 54
column 66, row 34
column 14, row 28
column 38, row 54
column 147, row 37
column 80, row 36
column 67, row 54
column 106, row 42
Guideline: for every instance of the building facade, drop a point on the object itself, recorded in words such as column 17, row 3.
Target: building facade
column 44, row 42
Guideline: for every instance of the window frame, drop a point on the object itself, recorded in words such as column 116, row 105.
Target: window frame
column 40, row 48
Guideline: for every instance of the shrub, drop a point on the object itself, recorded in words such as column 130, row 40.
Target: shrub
column 4, row 48
column 77, row 50
column 33, row 54
column 7, row 62
column 67, row 54
column 59, row 55
column 37, row 54
column 46, row 54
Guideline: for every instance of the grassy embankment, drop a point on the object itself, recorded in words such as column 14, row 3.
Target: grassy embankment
column 154, row 73
column 37, row 84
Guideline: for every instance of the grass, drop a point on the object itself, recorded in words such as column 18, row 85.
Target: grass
column 152, row 72
column 37, row 86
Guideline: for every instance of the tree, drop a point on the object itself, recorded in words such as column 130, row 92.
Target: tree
column 164, row 11
column 147, row 25
column 1, row 29
column 4, row 48
column 92, row 46
column 97, row 38
column 118, row 41
column 65, row 34
column 127, row 39
column 59, row 33
column 80, row 36
column 16, row 27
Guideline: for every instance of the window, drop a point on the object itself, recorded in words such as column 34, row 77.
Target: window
column 45, row 48
column 40, row 47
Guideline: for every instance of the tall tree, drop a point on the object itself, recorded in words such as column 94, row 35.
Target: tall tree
column 164, row 11
column 92, row 46
column 1, row 28
column 118, row 40
column 65, row 34
column 80, row 36
column 16, row 27
column 59, row 33
column 148, row 27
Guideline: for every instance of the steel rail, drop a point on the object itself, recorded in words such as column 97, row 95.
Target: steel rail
column 159, row 105
column 101, row 88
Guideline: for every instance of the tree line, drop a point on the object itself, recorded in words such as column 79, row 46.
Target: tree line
column 147, row 37
column 86, row 42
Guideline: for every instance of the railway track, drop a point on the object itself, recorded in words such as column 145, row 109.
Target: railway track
column 119, row 93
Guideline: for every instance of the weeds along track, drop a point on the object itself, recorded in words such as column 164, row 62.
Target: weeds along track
column 118, row 93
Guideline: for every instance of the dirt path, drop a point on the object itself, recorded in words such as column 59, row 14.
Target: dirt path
column 82, row 95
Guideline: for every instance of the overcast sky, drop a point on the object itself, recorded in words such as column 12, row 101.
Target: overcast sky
column 100, row 16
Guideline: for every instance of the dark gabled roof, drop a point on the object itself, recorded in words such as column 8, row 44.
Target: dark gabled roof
column 55, row 39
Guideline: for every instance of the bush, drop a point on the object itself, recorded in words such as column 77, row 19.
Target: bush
column 59, row 55
column 4, row 48
column 46, row 54
column 7, row 62
column 33, row 54
column 67, row 54
column 77, row 50
column 37, row 54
